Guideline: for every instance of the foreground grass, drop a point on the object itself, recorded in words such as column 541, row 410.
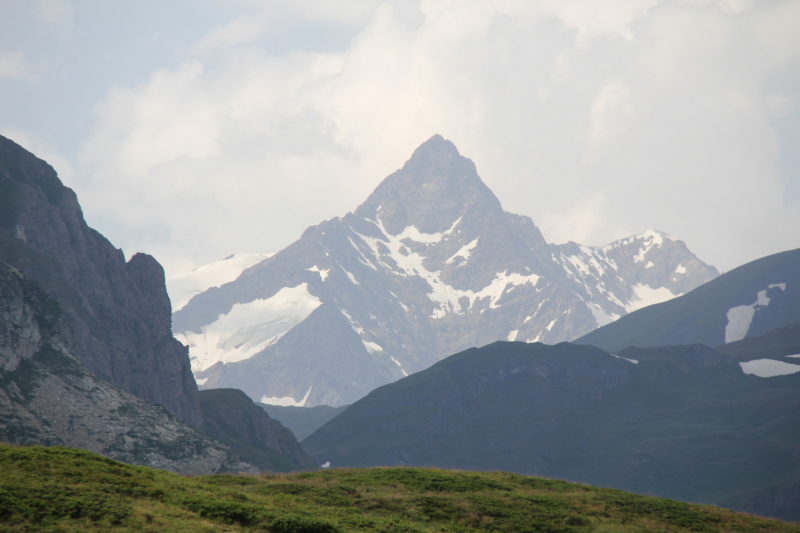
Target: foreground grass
column 62, row 489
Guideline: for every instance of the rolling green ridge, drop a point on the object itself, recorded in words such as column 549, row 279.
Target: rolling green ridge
column 682, row 422
column 68, row 490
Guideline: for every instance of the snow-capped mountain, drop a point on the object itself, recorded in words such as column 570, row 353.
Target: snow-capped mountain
column 428, row 265
column 743, row 303
column 184, row 287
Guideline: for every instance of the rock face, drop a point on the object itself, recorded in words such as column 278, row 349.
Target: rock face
column 683, row 422
column 741, row 304
column 117, row 314
column 231, row 417
column 428, row 265
column 48, row 398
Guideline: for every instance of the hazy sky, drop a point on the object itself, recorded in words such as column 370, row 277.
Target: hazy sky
column 195, row 129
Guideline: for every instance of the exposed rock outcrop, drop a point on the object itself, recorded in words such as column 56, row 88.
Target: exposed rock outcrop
column 117, row 313
column 48, row 398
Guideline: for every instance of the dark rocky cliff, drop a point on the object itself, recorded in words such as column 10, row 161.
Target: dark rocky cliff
column 117, row 313
column 48, row 398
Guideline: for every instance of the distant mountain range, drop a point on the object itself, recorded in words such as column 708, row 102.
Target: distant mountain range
column 716, row 425
column 428, row 265
column 303, row 421
column 684, row 422
column 746, row 302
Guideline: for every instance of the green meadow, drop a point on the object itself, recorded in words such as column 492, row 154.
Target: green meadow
column 63, row 489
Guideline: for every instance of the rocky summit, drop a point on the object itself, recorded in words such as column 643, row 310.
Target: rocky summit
column 428, row 265
column 117, row 313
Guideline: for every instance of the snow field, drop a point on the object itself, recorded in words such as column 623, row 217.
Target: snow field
column 184, row 287
column 248, row 328
column 740, row 317
column 768, row 368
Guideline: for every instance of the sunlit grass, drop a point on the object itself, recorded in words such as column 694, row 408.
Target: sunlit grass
column 62, row 489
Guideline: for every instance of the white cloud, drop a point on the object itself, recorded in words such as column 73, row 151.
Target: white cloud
column 593, row 121
column 54, row 10
column 596, row 19
column 611, row 114
column 14, row 66
column 241, row 30
column 586, row 222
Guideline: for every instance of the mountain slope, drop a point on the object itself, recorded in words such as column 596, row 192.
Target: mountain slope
column 231, row 417
column 184, row 287
column 682, row 422
column 776, row 344
column 303, row 421
column 428, row 265
column 47, row 397
column 117, row 313
column 743, row 303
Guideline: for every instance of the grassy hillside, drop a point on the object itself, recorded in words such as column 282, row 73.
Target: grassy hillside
column 62, row 489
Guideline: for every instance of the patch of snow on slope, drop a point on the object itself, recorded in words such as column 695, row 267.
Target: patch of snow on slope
column 322, row 273
column 358, row 329
column 201, row 381
column 362, row 258
column 184, row 287
column 512, row 335
column 427, row 238
column 740, row 317
column 798, row 355
column 286, row 401
column 601, row 317
column 649, row 264
column 578, row 264
column 644, row 295
column 248, row 328
column 650, row 239
column 550, row 326
column 680, row 269
column 634, row 361
column 463, row 252
column 349, row 276
column 767, row 368
column 401, row 366
column 372, row 347
column 445, row 295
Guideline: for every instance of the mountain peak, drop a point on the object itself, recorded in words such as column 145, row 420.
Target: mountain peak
column 437, row 149
column 435, row 187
